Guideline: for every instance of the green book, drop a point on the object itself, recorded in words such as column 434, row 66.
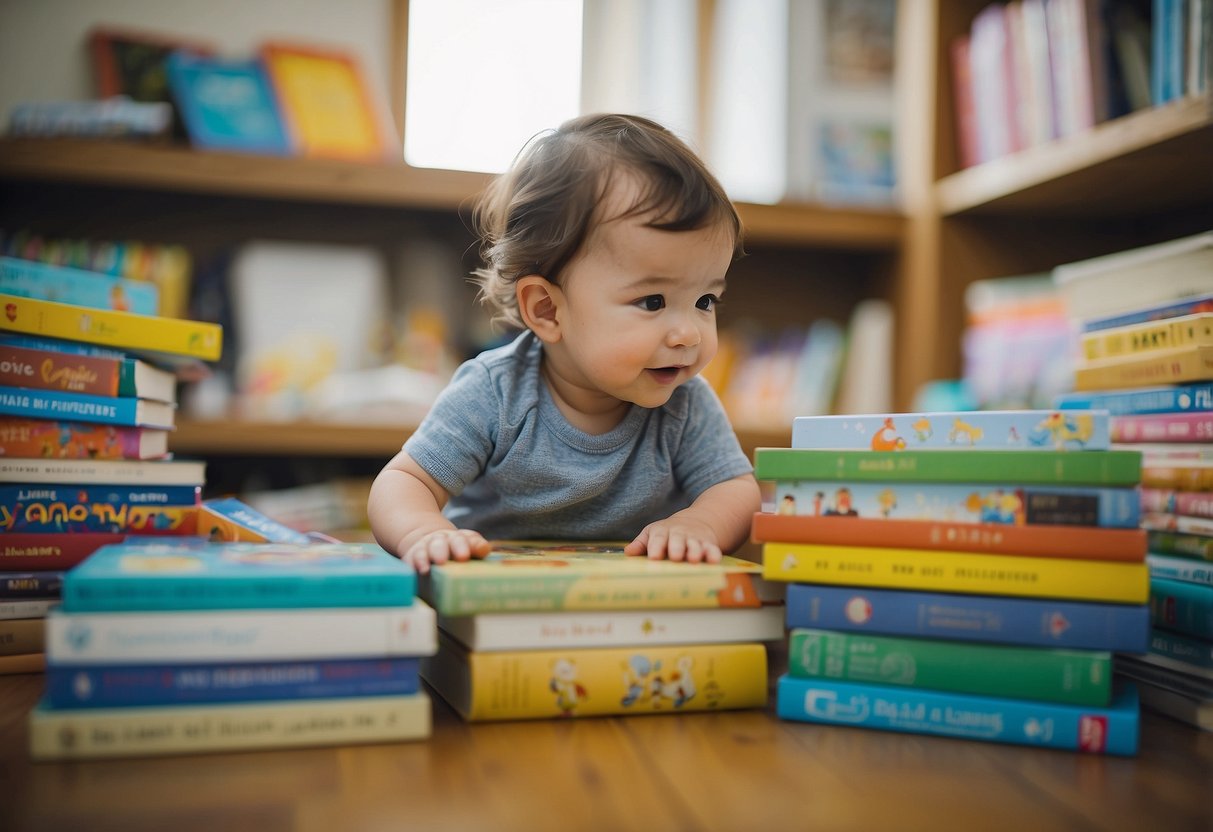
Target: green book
column 1026, row 467
column 1078, row 677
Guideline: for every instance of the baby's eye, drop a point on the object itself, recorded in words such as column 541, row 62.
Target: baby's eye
column 651, row 303
column 707, row 302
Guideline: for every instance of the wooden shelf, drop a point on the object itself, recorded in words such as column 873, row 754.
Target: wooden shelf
column 391, row 185
column 1116, row 169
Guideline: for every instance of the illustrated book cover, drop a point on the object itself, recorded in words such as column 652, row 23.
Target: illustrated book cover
column 993, row 430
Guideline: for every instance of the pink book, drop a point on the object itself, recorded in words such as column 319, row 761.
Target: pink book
column 1163, row 427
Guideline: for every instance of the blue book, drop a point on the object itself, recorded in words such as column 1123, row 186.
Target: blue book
column 227, row 105
column 992, row 430
column 137, row 509
column 1123, row 628
column 36, row 342
column 118, row 686
column 1110, row 730
column 1007, row 504
column 1191, row 306
column 31, row 279
column 1194, row 652
column 1180, row 569
column 1183, row 398
column 120, row 577
column 1183, row 607
column 81, row 407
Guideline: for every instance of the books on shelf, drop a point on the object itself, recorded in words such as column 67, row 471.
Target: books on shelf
column 1147, row 338
column 1174, row 366
column 63, row 439
column 246, row 118
column 64, row 284
column 988, row 430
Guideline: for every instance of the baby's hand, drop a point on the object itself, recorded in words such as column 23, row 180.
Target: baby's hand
column 443, row 545
column 678, row 538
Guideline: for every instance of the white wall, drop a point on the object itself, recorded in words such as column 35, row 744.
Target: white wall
column 43, row 56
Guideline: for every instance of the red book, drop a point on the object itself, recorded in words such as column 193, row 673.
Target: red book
column 1169, row 501
column 31, row 438
column 87, row 374
column 28, row 552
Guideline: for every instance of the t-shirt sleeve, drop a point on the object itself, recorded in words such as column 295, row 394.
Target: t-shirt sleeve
column 455, row 440
column 708, row 453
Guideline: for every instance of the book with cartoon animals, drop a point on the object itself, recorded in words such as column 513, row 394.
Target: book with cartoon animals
column 993, row 430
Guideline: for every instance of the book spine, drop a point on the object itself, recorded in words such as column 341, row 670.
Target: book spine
column 1186, row 503
column 89, row 686
column 1185, row 545
column 1179, row 477
column 171, row 510
column 24, row 585
column 1000, row 504
column 37, row 608
column 126, row 732
column 1164, row 427
column 32, row 279
column 33, row 342
column 1111, row 730
column 1184, row 607
column 1110, row 468
column 1176, row 647
column 22, row 663
column 1077, row 677
column 961, row 430
column 257, row 635
column 994, row 538
column 1194, row 710
column 1180, row 569
column 1173, row 333
column 123, row 330
column 1177, row 399
column 28, row 437
column 1029, row 622
column 1193, row 306
column 1164, row 522
column 43, row 370
column 50, row 552
column 102, row 472
column 1172, row 366
column 980, row 574
column 109, row 410
column 22, row 635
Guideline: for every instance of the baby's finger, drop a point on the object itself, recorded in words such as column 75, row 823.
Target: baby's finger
column 712, row 553
column 477, row 545
column 640, row 545
column 458, row 547
column 695, row 550
column 417, row 559
column 676, row 546
column 438, row 548
column 658, row 538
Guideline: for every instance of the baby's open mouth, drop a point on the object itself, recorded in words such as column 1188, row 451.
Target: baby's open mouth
column 665, row 375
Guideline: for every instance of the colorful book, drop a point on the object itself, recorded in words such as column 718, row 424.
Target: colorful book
column 30, row 608
column 1187, row 503
column 995, row 538
column 961, row 572
column 162, row 510
column 50, row 552
column 1161, row 521
column 128, row 577
column 996, row 503
column 244, row 635
column 59, row 439
column 1110, row 468
column 1189, row 306
column 1110, row 730
column 1182, row 607
column 22, row 635
column 33, row 279
column 977, row 618
column 535, row 577
column 185, row 368
column 138, row 685
column 1146, row 338
column 110, row 410
column 1183, row 398
column 91, row 375
column 1164, row 427
column 1180, row 569
column 95, row 733
column 1077, row 677
column 1180, row 652
column 1186, row 545
column 992, row 430
column 106, row 327
column 1182, row 477
column 229, row 519
column 26, row 585
column 103, row 471
column 538, row 684
column 489, row 632
column 227, row 104
column 1175, row 366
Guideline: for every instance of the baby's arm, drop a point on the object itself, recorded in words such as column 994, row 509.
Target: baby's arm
column 405, row 510
column 717, row 522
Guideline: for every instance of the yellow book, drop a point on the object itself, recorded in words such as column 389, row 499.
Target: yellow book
column 1147, row 338
column 1173, row 366
column 109, row 328
column 971, row 573
column 538, row 684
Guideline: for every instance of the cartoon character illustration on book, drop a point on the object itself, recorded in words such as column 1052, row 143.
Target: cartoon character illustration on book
column 635, row 675
column 564, row 684
column 1004, row 507
column 1061, row 429
column 886, row 439
column 922, row 429
column 961, row 428
column 842, row 505
column 887, row 499
column 787, row 505
column 679, row 688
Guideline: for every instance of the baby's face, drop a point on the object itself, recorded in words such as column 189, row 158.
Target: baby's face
column 641, row 307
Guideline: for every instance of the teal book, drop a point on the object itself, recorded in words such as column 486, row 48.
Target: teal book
column 1112, row 468
column 189, row 576
column 1076, row 677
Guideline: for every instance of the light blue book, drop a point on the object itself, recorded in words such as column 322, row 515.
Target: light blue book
column 31, row 279
column 988, row 430
column 146, row 577
column 1181, row 606
column 1183, row 398
column 1110, row 730
column 81, row 407
column 1176, row 568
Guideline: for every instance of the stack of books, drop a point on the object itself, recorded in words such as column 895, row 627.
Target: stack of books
column 1146, row 320
column 539, row 630
column 962, row 574
column 88, row 390
column 187, row 646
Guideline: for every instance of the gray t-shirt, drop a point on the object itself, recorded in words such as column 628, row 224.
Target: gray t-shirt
column 515, row 467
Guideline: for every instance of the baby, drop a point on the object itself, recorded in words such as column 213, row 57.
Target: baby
column 607, row 242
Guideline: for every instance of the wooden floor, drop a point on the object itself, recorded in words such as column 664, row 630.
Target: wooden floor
column 744, row 770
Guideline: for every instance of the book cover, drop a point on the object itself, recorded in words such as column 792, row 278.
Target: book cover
column 29, row 608
column 228, row 519
column 110, row 410
column 1145, row 338
column 993, row 430
column 539, row 684
column 96, row 733
column 1180, row 569
column 489, row 632
column 106, row 327
column 137, row 685
column 53, row 370
column 103, row 471
column 227, row 104
column 1175, row 366
column 245, row 635
column 1187, row 503
column 1164, row 427
column 1181, row 398
column 33, row 279
column 1076, row 677
column 22, row 635
column 150, row 510
column 27, row 585
column 960, row 572
column 995, row 503
column 976, row 618
column 127, row 577
column 995, row 538
column 61, row 439
column 1111, row 468
column 50, row 552
column 534, row 577
column 1110, row 730
column 1189, row 306
column 130, row 63
column 1181, row 606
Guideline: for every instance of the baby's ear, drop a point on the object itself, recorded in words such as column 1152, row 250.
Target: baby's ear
column 539, row 304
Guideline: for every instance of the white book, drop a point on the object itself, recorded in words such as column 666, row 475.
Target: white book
column 150, row 472
column 33, row 608
column 240, row 635
column 491, row 632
